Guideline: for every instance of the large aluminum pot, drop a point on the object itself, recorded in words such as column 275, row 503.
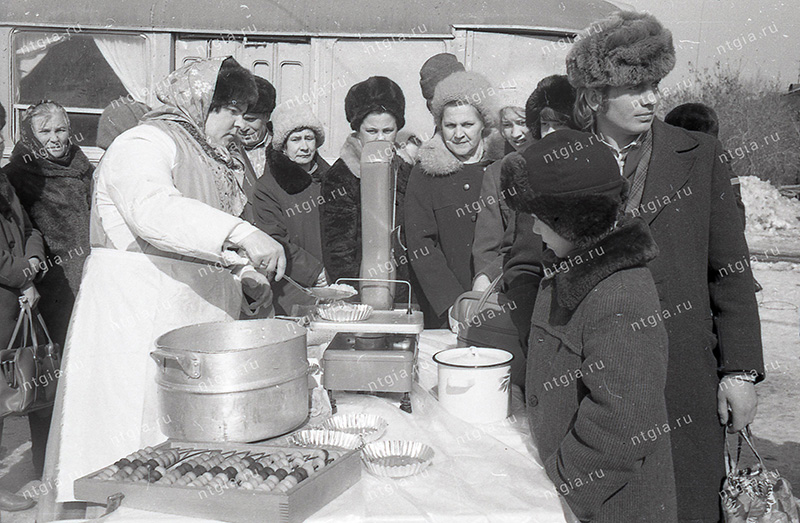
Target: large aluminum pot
column 475, row 383
column 232, row 381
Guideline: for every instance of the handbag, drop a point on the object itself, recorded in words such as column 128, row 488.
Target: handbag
column 31, row 370
column 755, row 495
column 483, row 319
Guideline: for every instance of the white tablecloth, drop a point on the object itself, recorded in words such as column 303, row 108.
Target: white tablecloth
column 482, row 473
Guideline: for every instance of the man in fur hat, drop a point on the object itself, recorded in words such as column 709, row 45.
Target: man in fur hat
column 683, row 191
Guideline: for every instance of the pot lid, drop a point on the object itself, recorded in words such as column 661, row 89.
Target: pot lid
column 473, row 357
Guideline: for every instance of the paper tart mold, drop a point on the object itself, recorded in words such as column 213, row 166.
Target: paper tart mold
column 345, row 312
column 318, row 438
column 368, row 426
column 396, row 459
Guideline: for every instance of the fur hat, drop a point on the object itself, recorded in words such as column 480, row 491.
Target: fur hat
column 266, row 98
column 235, row 86
column 627, row 48
column 570, row 181
column 288, row 118
column 554, row 92
column 467, row 88
column 376, row 94
column 694, row 117
column 434, row 70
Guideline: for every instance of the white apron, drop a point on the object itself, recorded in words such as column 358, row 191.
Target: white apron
column 106, row 402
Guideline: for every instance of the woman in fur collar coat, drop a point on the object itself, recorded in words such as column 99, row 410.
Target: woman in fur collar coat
column 444, row 190
column 375, row 109
column 287, row 200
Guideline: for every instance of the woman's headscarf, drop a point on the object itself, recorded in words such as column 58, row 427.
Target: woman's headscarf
column 187, row 93
column 32, row 144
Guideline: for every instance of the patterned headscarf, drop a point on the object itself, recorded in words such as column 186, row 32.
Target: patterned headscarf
column 187, row 92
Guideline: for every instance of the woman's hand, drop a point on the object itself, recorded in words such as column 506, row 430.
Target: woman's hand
column 30, row 292
column 265, row 253
column 322, row 279
column 256, row 287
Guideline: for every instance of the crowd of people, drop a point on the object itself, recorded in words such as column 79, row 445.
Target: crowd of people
column 218, row 176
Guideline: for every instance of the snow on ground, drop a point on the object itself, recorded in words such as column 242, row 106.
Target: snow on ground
column 766, row 209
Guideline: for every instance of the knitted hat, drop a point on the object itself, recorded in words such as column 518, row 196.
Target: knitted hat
column 288, row 118
column 235, row 85
column 627, row 48
column 554, row 92
column 570, row 181
column 467, row 88
column 434, row 70
column 376, row 94
column 117, row 118
column 266, row 98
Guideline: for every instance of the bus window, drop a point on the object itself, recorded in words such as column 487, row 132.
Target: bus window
column 82, row 72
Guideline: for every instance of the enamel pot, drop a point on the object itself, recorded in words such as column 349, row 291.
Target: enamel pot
column 475, row 383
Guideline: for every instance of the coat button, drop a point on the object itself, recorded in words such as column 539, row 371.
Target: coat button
column 474, row 218
column 533, row 401
column 466, row 187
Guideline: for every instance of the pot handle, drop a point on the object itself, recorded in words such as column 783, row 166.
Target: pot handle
column 188, row 364
column 460, row 383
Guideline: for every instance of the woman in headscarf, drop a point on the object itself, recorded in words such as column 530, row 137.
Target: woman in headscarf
column 53, row 179
column 375, row 110
column 287, row 200
column 167, row 244
column 444, row 189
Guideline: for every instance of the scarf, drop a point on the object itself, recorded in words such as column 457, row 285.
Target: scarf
column 187, row 94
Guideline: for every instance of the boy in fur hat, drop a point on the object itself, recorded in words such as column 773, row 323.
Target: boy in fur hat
column 595, row 382
column 683, row 190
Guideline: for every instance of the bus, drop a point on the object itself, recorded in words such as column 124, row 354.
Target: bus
column 85, row 54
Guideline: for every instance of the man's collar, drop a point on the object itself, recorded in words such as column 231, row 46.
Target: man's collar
column 622, row 151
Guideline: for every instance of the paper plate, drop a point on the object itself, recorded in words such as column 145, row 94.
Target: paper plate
column 369, row 426
column 396, row 459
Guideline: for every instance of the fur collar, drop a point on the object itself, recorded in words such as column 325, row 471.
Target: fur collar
column 628, row 245
column 437, row 160
column 289, row 176
column 351, row 155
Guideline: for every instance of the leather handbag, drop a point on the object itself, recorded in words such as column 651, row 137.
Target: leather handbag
column 31, row 369
column 483, row 319
column 755, row 495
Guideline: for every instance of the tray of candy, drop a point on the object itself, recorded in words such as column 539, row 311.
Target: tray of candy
column 235, row 482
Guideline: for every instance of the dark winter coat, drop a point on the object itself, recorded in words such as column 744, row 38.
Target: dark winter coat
column 440, row 221
column 57, row 197
column 689, row 203
column 286, row 204
column 596, row 379
column 19, row 242
column 522, row 272
column 341, row 216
